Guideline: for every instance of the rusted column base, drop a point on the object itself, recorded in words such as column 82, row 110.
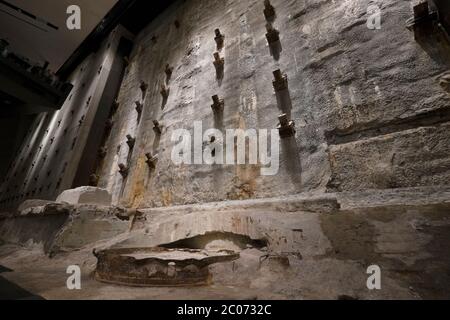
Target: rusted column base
column 158, row 267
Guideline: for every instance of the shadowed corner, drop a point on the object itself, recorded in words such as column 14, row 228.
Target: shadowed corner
column 11, row 291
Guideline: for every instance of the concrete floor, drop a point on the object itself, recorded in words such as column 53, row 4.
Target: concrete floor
column 47, row 278
column 405, row 232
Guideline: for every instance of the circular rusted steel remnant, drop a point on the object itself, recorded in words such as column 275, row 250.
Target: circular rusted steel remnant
column 158, row 267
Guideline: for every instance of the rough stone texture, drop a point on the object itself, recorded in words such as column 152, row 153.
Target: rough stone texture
column 395, row 197
column 47, row 162
column 304, row 255
column 59, row 227
column 410, row 158
column 35, row 226
column 28, row 204
column 86, row 195
column 360, row 99
column 89, row 224
column 371, row 106
column 372, row 115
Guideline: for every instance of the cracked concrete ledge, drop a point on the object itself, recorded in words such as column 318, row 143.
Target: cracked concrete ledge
column 314, row 253
column 395, row 197
column 313, row 202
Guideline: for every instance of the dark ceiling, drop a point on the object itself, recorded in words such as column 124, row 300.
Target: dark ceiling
column 28, row 32
column 36, row 29
column 134, row 15
column 142, row 12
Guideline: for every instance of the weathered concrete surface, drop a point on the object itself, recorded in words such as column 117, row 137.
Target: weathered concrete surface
column 28, row 204
column 394, row 197
column 86, row 195
column 35, row 226
column 410, row 158
column 406, row 232
column 89, row 224
column 47, row 162
column 58, row 227
column 372, row 112
column 369, row 107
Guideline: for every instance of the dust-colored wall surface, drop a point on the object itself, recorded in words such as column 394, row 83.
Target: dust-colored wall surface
column 368, row 106
column 46, row 163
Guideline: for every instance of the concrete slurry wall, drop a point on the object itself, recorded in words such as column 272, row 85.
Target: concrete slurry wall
column 48, row 160
column 368, row 106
